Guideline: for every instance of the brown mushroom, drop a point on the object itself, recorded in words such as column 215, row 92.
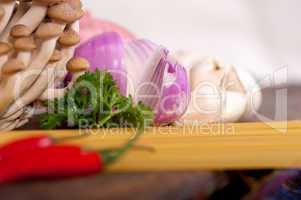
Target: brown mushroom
column 20, row 30
column 78, row 65
column 69, row 38
column 12, row 66
column 65, row 12
column 25, row 44
column 48, row 30
column 53, row 92
column 28, row 67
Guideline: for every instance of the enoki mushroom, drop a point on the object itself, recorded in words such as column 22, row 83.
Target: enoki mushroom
column 37, row 43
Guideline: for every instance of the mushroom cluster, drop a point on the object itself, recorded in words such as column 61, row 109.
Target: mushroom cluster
column 37, row 43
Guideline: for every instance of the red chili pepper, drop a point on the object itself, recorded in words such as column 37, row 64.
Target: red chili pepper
column 22, row 145
column 56, row 161
column 28, row 144
column 50, row 162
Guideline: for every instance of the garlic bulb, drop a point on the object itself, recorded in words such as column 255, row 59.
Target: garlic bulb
column 220, row 93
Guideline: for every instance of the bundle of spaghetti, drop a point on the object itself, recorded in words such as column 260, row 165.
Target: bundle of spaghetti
column 247, row 146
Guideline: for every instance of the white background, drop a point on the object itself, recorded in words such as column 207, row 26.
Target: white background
column 259, row 35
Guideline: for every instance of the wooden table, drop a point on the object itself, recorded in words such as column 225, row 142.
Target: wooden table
column 167, row 185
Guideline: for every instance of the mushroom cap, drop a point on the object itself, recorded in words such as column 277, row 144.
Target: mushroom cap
column 65, row 12
column 5, row 48
column 78, row 65
column 13, row 66
column 48, row 30
column 56, row 56
column 20, row 30
column 25, row 44
column 69, row 38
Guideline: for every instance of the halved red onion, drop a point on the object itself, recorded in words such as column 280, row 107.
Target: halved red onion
column 175, row 94
column 144, row 70
column 163, row 86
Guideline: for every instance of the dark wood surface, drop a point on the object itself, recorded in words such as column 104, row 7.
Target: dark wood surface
column 167, row 185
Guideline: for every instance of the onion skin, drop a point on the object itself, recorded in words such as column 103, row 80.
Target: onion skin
column 106, row 52
column 175, row 96
column 164, row 72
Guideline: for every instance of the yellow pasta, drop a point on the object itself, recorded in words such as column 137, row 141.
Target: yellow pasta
column 207, row 147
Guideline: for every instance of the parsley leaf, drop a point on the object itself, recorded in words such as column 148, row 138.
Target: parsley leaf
column 94, row 101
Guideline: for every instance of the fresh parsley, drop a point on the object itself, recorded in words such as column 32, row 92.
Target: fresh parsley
column 94, row 101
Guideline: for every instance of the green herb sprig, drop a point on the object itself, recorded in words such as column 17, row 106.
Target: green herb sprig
column 94, row 101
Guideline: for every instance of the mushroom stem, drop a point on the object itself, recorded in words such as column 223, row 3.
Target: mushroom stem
column 24, row 46
column 52, row 93
column 39, row 62
column 21, row 123
column 15, row 116
column 8, row 8
column 34, row 92
column 67, row 53
column 5, row 49
column 10, row 125
column 24, row 56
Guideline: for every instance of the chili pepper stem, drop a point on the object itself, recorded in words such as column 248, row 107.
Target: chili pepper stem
column 110, row 157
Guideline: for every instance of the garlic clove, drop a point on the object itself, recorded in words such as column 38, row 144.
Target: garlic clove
column 232, row 99
column 234, row 106
column 210, row 105
column 253, row 92
column 206, row 72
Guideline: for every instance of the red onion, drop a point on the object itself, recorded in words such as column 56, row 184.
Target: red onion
column 166, row 88
column 144, row 70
